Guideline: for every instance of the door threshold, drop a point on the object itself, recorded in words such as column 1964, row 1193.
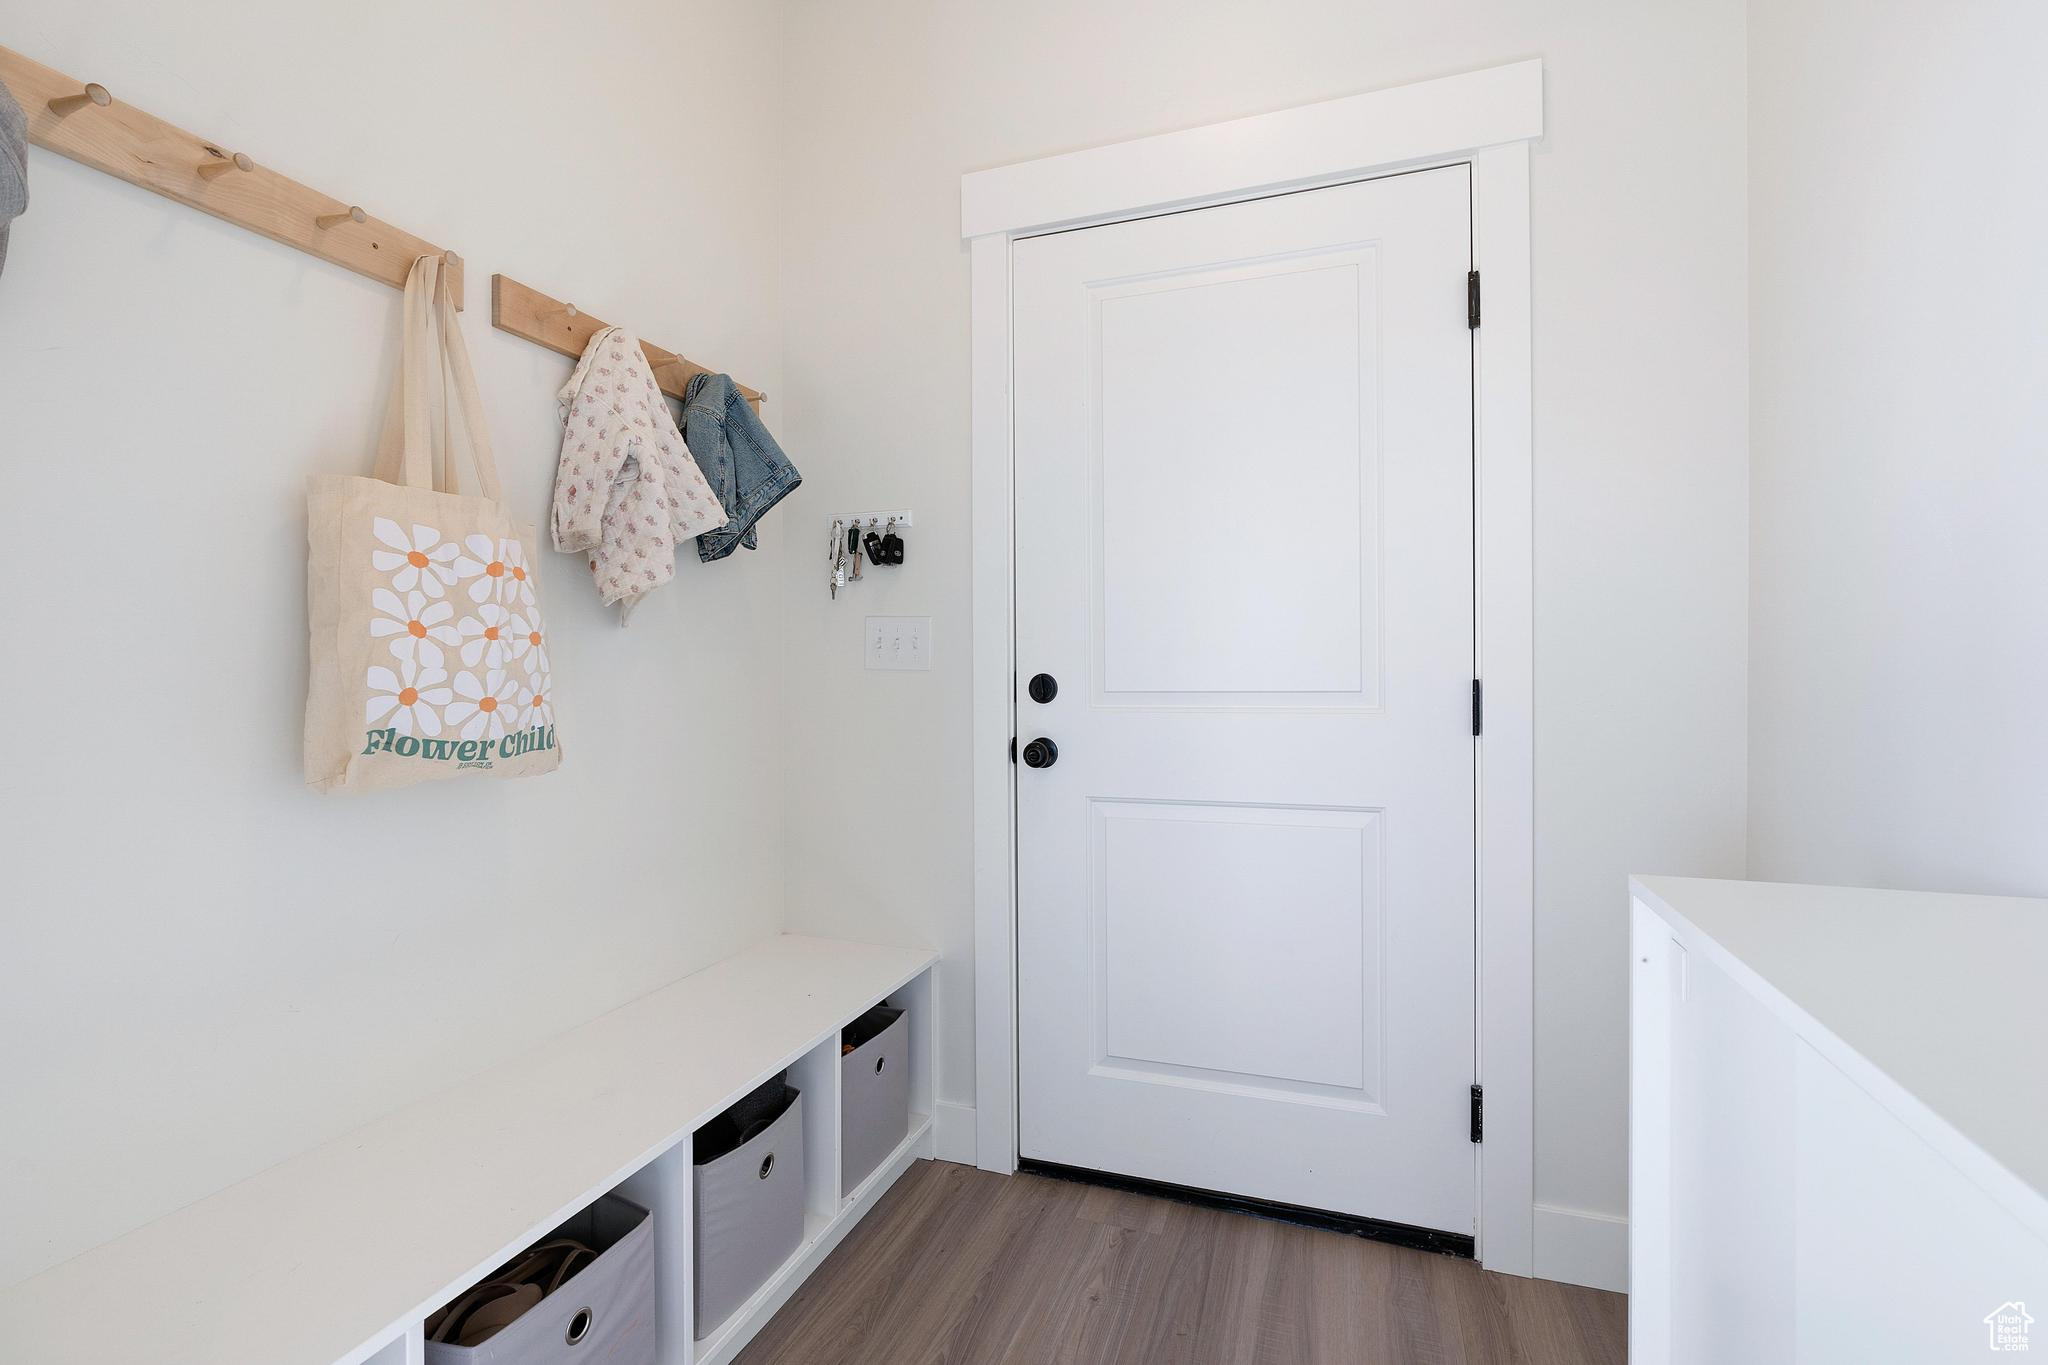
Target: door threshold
column 1456, row 1244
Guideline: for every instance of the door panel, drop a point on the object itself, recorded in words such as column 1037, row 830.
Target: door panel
column 1244, row 548
column 1184, row 364
column 1287, row 1001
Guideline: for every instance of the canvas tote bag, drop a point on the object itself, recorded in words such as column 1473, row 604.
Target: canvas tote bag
column 430, row 658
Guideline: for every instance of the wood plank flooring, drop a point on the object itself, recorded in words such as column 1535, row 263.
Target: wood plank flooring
column 960, row 1267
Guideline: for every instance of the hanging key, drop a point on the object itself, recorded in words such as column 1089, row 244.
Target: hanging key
column 853, row 548
column 892, row 544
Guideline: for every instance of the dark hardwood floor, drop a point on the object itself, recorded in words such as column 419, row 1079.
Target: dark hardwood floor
column 960, row 1267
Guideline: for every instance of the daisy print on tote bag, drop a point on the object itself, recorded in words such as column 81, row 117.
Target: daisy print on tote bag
column 466, row 687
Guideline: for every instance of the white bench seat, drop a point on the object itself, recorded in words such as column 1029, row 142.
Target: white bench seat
column 336, row 1256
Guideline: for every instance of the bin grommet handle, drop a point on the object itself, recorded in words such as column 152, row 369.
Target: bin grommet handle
column 579, row 1327
column 878, row 1064
column 767, row 1165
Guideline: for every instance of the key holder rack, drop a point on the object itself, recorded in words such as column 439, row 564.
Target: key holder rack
column 875, row 521
column 85, row 122
column 857, row 539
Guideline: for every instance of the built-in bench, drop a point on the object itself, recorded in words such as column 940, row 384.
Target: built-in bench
column 337, row 1256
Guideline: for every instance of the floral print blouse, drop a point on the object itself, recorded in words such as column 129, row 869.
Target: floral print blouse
column 627, row 493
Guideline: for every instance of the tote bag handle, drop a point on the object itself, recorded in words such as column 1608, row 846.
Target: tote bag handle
column 434, row 358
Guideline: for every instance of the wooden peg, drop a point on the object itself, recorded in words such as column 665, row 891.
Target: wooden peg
column 238, row 162
column 94, row 93
column 354, row 214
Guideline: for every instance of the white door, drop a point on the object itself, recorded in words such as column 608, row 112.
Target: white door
column 1244, row 555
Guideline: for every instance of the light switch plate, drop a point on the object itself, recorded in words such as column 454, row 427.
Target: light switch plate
column 898, row 643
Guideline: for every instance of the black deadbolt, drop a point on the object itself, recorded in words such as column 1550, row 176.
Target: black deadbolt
column 1041, row 753
column 1044, row 687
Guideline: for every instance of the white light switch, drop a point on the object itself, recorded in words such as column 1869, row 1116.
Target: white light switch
column 899, row 642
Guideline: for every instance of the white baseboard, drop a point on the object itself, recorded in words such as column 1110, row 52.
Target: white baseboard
column 1579, row 1247
column 954, row 1127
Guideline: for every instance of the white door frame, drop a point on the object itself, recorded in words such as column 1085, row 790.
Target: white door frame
column 1485, row 119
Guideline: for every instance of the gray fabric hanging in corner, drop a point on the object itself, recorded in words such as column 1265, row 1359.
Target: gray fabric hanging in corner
column 13, row 166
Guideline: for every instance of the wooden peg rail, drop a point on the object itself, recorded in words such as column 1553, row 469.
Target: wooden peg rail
column 92, row 125
column 566, row 328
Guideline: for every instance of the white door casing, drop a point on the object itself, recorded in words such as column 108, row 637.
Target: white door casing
column 1485, row 118
column 1244, row 549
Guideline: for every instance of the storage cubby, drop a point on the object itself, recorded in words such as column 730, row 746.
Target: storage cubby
column 748, row 1179
column 591, row 1284
column 816, row 1073
column 874, row 1092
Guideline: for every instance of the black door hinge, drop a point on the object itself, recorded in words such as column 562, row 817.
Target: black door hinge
column 1471, row 298
column 1478, row 707
column 1013, row 748
column 1479, row 1113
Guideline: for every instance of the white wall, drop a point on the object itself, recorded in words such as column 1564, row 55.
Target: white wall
column 1640, row 427
column 205, row 967
column 1899, row 623
column 191, row 989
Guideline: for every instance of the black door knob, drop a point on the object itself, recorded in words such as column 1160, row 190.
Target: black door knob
column 1041, row 753
column 1044, row 687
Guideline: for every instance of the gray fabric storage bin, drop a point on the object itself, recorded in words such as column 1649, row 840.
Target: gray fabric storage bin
column 749, row 1215
column 874, row 1094
column 603, row 1313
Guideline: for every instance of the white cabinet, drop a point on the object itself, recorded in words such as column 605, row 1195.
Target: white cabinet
column 1837, row 1147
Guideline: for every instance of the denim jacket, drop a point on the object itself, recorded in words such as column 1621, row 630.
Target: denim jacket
column 745, row 467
